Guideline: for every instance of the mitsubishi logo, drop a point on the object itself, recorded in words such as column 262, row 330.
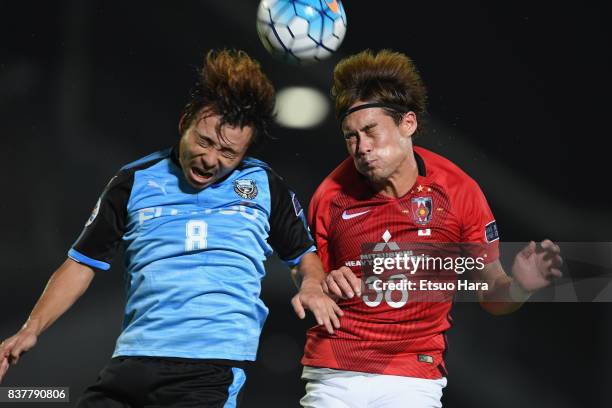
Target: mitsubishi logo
column 381, row 246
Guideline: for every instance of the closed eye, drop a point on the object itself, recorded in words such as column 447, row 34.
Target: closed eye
column 229, row 153
column 369, row 129
column 204, row 141
column 366, row 129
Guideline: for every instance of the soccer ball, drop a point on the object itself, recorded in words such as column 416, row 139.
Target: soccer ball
column 301, row 31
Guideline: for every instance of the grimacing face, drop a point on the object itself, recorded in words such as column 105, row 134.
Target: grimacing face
column 205, row 157
column 377, row 145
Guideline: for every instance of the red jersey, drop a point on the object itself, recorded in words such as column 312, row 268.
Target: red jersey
column 444, row 205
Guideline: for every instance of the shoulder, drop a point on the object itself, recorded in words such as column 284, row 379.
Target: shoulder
column 255, row 175
column 344, row 178
column 252, row 163
column 123, row 180
column 463, row 191
column 446, row 173
column 126, row 172
column 147, row 161
column 252, row 166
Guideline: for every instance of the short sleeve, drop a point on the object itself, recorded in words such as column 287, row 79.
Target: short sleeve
column 318, row 219
column 103, row 231
column 289, row 235
column 478, row 223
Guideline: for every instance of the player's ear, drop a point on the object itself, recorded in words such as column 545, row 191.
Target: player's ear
column 181, row 124
column 408, row 124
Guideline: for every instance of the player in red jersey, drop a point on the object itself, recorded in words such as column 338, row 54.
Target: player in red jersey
column 388, row 352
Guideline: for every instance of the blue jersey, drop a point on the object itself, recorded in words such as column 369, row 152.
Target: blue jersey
column 194, row 258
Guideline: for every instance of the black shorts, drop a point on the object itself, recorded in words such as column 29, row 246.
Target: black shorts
column 165, row 382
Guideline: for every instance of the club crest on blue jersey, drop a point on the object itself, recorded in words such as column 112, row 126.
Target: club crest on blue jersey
column 94, row 213
column 421, row 210
column 245, row 188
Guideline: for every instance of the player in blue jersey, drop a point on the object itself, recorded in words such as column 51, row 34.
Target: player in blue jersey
column 197, row 222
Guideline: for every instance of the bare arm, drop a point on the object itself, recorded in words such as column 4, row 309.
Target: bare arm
column 533, row 269
column 64, row 287
column 311, row 295
column 496, row 300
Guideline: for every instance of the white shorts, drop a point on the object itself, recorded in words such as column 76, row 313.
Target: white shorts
column 328, row 388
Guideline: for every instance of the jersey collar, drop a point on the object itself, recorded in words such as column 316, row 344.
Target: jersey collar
column 420, row 165
column 174, row 155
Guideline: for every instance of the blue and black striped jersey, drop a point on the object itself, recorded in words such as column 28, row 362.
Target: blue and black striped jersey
column 194, row 258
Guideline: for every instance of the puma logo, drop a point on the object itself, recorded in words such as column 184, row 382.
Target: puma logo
column 162, row 187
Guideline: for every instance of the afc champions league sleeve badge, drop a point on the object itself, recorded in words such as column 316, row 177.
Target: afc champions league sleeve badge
column 245, row 188
column 421, row 210
column 296, row 205
column 96, row 209
column 94, row 213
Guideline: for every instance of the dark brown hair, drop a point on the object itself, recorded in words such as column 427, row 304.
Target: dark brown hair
column 386, row 77
column 232, row 85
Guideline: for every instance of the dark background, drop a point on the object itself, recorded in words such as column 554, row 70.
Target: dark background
column 519, row 98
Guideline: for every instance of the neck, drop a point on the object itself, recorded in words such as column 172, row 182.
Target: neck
column 400, row 181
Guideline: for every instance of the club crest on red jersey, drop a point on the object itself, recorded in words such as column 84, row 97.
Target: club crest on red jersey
column 422, row 210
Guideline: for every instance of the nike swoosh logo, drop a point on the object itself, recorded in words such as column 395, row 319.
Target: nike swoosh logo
column 346, row 216
column 333, row 6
